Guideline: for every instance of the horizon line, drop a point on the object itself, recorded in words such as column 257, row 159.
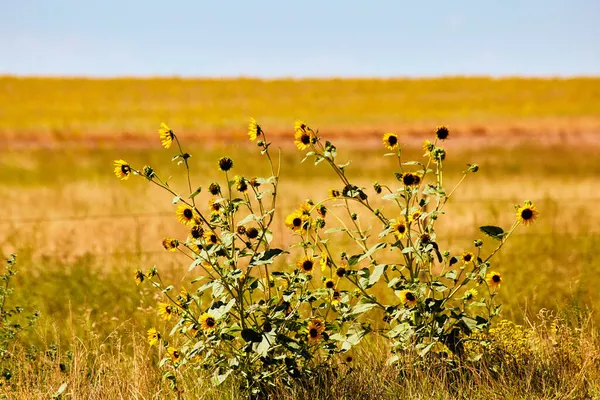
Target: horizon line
column 299, row 77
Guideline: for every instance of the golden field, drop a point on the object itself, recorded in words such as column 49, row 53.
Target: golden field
column 50, row 110
column 80, row 233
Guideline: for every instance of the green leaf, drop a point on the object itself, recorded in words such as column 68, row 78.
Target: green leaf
column 372, row 250
column 196, row 192
column 494, row 232
column 362, row 308
column 250, row 335
column 267, row 257
column 376, row 274
column 248, row 218
column 218, row 379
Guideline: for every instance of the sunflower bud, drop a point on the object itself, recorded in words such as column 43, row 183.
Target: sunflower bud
column 148, row 172
column 225, row 164
column 214, row 188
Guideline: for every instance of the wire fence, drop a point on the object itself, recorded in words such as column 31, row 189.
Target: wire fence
column 138, row 217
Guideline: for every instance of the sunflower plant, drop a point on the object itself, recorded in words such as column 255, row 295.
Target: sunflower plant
column 439, row 298
column 239, row 318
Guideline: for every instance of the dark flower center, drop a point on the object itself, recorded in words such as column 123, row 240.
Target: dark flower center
column 176, row 354
column 401, row 228
column 410, row 297
column 442, row 133
column 527, row 214
column 496, row 278
column 125, row 169
column 297, row 222
column 213, row 238
column 349, row 359
column 197, row 232
column 329, row 284
column 168, row 310
column 340, row 272
column 336, row 295
column 392, row 140
column 467, row 257
column 410, row 179
column 313, row 333
column 305, row 139
column 210, row 322
column 188, row 213
column 252, row 233
column 307, row 265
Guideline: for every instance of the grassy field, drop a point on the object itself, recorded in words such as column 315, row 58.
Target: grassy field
column 98, row 111
column 80, row 233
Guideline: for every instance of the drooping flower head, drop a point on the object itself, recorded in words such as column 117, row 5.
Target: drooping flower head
column 153, row 336
column 166, row 135
column 122, row 169
column 303, row 135
column 254, row 129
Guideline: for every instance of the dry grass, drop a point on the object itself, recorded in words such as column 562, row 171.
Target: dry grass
column 71, row 221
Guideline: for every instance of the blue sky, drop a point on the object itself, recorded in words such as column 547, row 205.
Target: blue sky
column 299, row 39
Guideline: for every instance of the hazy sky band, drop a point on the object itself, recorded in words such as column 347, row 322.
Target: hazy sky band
column 308, row 38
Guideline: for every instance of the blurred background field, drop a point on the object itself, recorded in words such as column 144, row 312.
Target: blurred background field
column 80, row 233
column 50, row 111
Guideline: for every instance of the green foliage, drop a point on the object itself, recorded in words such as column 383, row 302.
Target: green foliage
column 12, row 319
column 240, row 318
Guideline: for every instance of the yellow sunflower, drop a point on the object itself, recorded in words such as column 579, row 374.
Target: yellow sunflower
column 325, row 262
column 428, row 147
column 175, row 355
column 334, row 193
column 315, row 329
column 408, row 298
column 410, row 179
column 170, row 244
column 153, row 336
column 215, row 206
column 166, row 311
column 305, row 208
column 336, row 297
column 302, row 135
column 527, row 213
column 122, row 169
column 207, row 321
column 399, row 229
column 470, row 294
column 414, row 216
column 306, row 264
column 330, row 284
column 390, row 140
column 210, row 237
column 186, row 214
column 467, row 257
column 493, row 279
column 296, row 221
column 139, row 277
column 166, row 135
column 254, row 129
